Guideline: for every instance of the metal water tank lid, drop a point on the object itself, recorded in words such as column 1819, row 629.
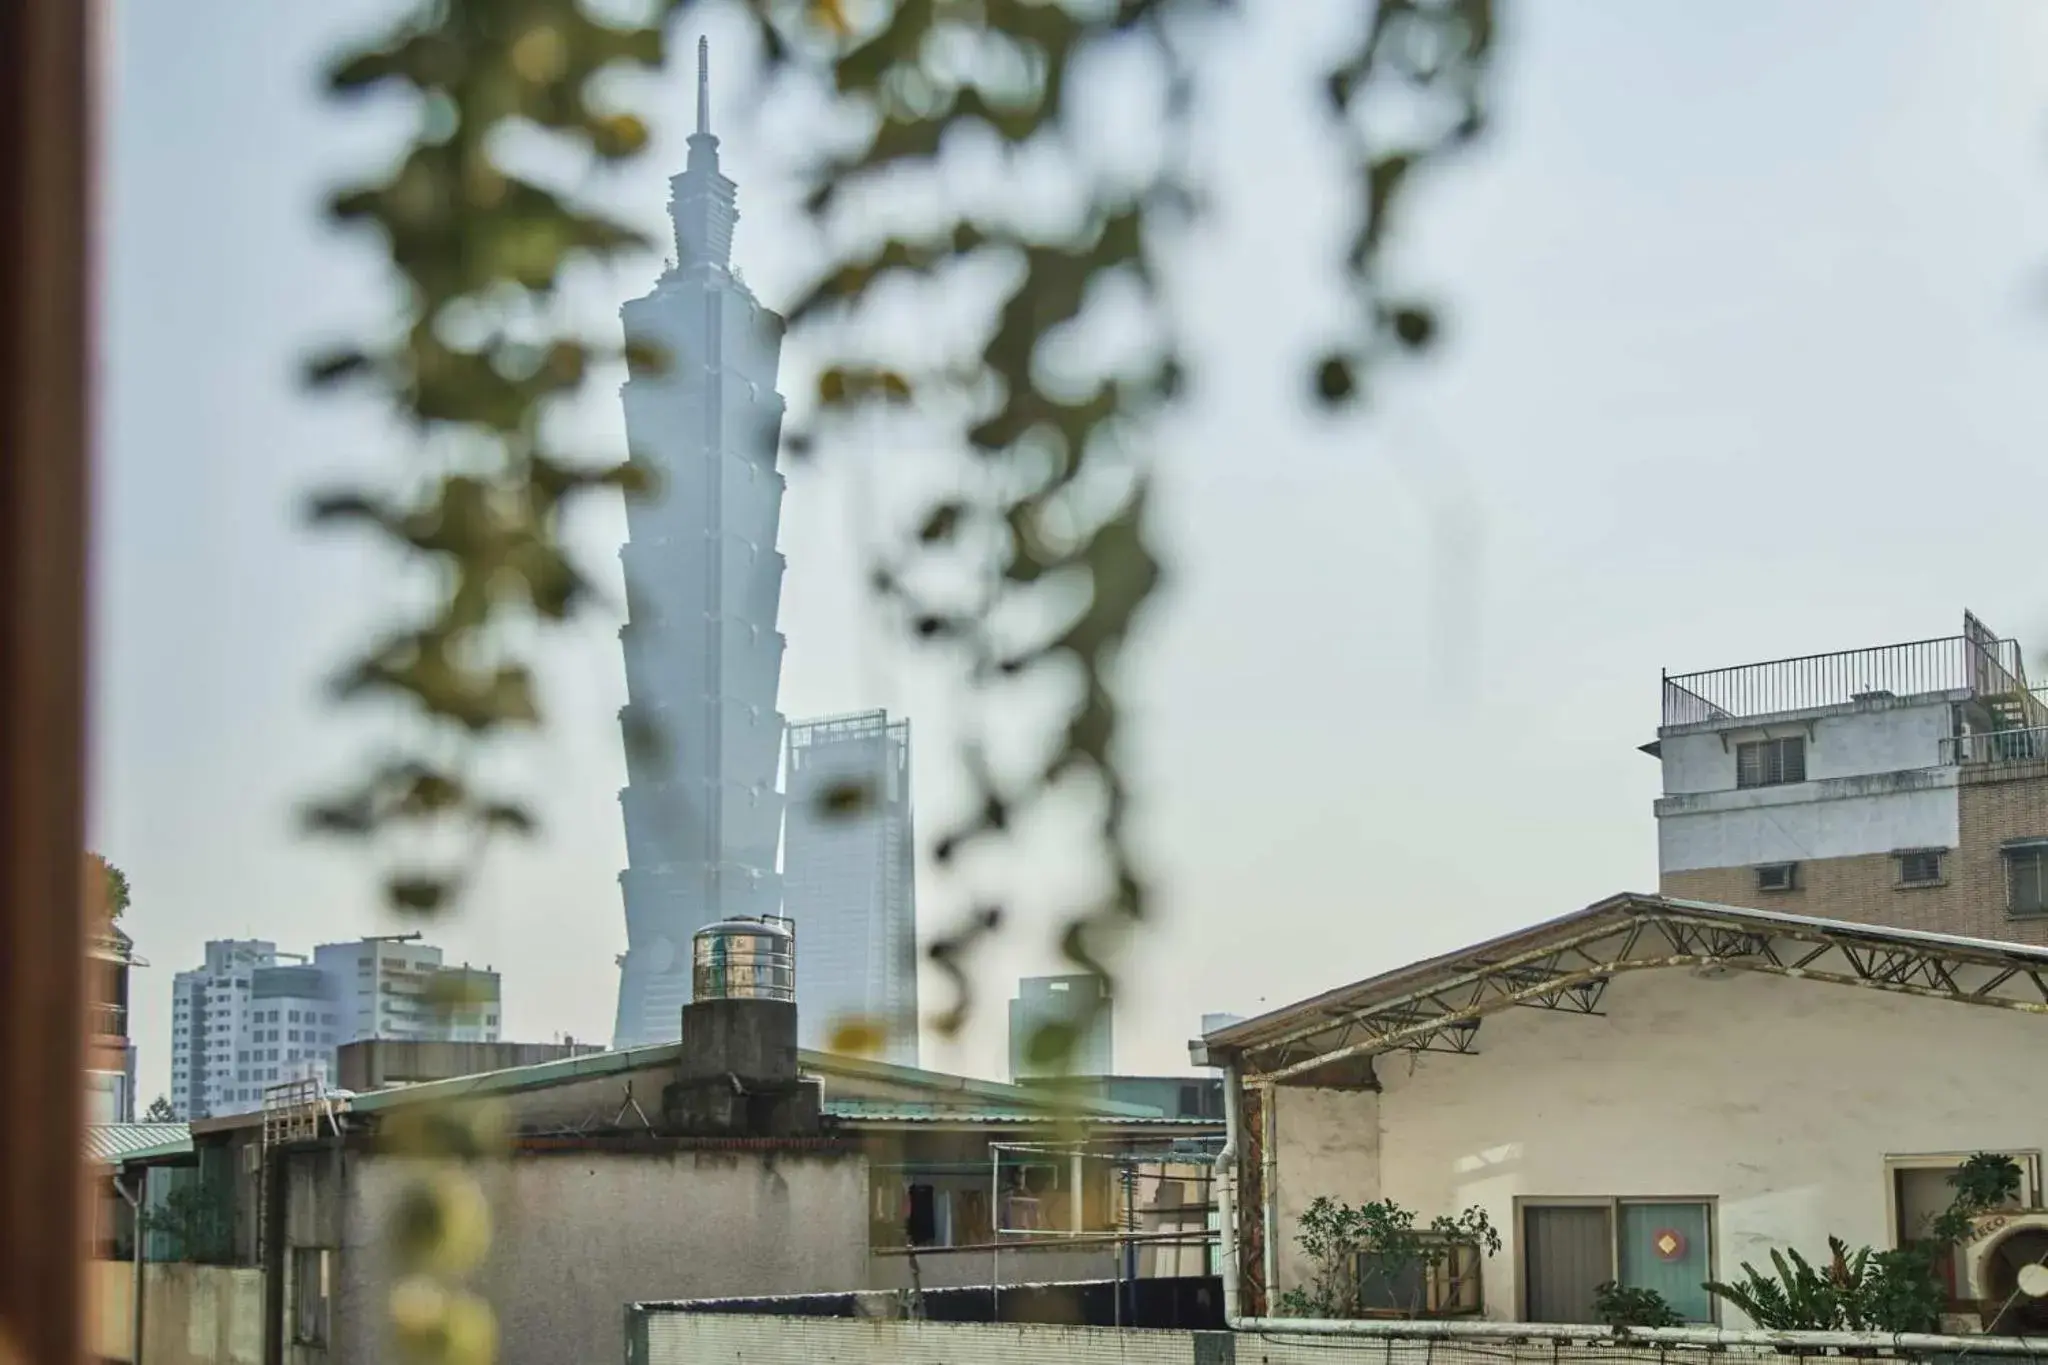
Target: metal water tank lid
column 744, row 957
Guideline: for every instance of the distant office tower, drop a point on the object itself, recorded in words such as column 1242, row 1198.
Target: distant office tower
column 1043, row 1000
column 848, row 867
column 703, row 581
column 253, row 1017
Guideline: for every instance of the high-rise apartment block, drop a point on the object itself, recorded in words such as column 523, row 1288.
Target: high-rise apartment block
column 703, row 583
column 1077, row 1002
column 253, row 1017
column 1903, row 785
column 399, row 988
column 848, row 871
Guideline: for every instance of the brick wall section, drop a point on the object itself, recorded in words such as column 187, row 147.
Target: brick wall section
column 1996, row 803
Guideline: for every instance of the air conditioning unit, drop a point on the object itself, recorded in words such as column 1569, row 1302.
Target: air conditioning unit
column 2005, row 1265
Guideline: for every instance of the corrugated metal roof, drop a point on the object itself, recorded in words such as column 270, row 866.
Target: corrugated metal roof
column 973, row 1093
column 1413, row 1005
column 111, row 1142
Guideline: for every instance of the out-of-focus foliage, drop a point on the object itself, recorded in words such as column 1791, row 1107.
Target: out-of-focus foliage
column 473, row 366
column 940, row 82
column 1058, row 523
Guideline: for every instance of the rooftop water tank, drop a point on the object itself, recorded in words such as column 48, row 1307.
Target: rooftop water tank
column 744, row 958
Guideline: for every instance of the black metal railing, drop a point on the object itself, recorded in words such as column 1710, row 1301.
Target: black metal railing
column 1952, row 663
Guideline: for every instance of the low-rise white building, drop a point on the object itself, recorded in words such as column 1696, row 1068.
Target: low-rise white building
column 1649, row 1091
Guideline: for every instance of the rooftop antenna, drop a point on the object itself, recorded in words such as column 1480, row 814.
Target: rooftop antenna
column 703, row 86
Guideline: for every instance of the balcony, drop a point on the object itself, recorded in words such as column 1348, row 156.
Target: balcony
column 1988, row 669
column 1997, row 746
column 108, row 1020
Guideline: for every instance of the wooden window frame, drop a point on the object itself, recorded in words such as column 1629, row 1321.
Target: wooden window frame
column 1613, row 1204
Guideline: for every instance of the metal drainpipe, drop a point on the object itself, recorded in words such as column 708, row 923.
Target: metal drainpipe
column 136, row 1202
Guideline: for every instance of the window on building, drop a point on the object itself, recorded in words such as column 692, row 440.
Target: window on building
column 2026, row 877
column 309, row 1295
column 1919, row 866
column 1777, row 877
column 1920, row 1193
column 1770, row 762
column 1571, row 1247
column 1446, row 1286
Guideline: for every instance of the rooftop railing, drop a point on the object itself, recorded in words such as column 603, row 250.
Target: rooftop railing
column 1950, row 664
column 1997, row 746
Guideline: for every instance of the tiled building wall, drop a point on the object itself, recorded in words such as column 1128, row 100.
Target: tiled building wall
column 1996, row 803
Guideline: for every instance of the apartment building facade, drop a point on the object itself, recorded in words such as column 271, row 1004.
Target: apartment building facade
column 1904, row 785
column 252, row 1017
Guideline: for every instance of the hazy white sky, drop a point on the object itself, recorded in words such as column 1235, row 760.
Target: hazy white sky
column 1748, row 336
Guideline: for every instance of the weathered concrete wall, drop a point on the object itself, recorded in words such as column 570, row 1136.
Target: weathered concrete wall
column 1779, row 1100
column 1331, row 1142
column 1996, row 803
column 734, row 1339
column 578, row 1236
column 192, row 1314
column 690, row 1338
column 1872, row 787
column 1017, row 1265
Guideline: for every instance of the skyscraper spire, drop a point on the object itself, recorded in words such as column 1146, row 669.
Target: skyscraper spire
column 702, row 202
column 703, row 86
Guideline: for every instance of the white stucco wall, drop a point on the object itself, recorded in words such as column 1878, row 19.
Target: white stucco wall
column 1779, row 1099
column 1335, row 1137
column 1873, row 786
column 1838, row 818
column 1877, row 737
column 576, row 1237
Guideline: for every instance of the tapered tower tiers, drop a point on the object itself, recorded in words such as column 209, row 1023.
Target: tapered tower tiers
column 703, row 582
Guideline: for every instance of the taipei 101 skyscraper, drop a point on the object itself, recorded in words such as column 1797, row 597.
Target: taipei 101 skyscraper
column 703, row 581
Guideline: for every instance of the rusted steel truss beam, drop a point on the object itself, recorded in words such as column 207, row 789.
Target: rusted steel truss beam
column 1571, row 977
